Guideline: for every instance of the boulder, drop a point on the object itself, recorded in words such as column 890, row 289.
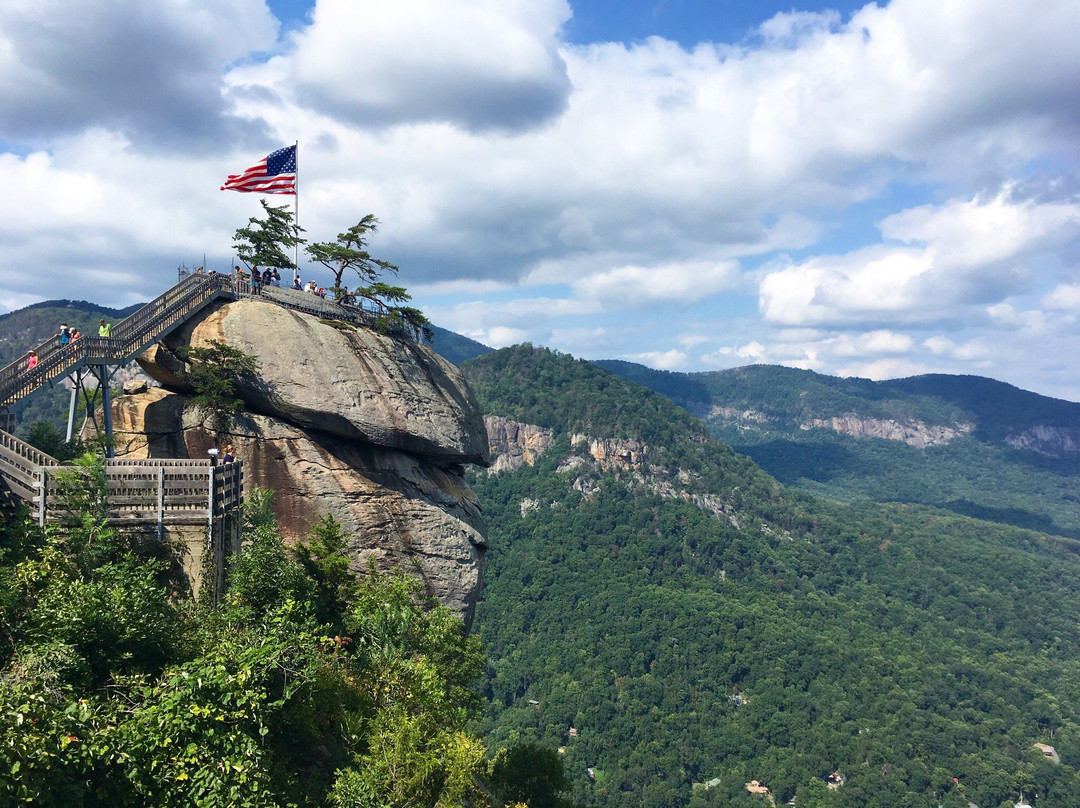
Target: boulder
column 338, row 378
column 340, row 420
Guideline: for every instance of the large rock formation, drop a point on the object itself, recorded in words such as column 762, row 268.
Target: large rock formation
column 342, row 421
column 513, row 444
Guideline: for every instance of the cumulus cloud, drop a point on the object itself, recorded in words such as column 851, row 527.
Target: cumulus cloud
column 1064, row 296
column 480, row 64
column 530, row 188
column 501, row 336
column 883, row 369
column 663, row 360
column 151, row 69
column 966, row 252
column 634, row 285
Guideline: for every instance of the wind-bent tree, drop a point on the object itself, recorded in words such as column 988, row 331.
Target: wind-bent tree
column 349, row 252
column 268, row 242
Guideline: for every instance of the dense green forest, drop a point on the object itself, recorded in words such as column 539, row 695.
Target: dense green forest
column 763, row 634
column 976, row 474
column 306, row 686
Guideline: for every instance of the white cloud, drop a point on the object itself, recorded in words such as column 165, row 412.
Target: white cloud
column 1064, row 296
column 635, row 285
column 502, row 336
column 663, row 360
column 1006, row 317
column 476, row 63
column 578, row 180
column 151, row 69
column 871, row 343
column 967, row 252
column 972, row 350
column 880, row 369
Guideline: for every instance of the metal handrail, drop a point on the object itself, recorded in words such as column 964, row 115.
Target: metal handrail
column 366, row 312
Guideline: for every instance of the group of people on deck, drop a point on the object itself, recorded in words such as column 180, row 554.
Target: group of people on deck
column 68, row 337
column 271, row 277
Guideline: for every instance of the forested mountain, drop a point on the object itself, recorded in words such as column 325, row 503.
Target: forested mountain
column 965, row 443
column 696, row 622
column 454, row 347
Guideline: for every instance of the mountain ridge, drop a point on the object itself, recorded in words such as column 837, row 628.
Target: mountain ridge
column 778, row 637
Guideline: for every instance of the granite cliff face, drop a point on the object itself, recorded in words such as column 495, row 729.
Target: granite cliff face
column 912, row 432
column 342, row 421
column 1047, row 440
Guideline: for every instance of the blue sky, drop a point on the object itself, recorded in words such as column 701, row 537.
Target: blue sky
column 858, row 189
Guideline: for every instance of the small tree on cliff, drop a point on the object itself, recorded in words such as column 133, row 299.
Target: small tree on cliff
column 215, row 372
column 349, row 252
column 267, row 242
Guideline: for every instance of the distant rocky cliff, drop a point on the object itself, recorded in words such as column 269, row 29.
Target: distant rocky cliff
column 514, row 444
column 342, row 421
column 912, row 432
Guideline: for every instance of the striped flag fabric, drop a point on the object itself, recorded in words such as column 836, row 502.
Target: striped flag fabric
column 274, row 174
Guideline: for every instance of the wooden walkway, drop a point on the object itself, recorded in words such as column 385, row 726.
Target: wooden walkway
column 153, row 491
column 156, row 320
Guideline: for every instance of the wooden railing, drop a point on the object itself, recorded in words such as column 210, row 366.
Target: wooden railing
column 130, row 337
column 27, row 472
column 161, row 491
column 20, row 466
column 365, row 312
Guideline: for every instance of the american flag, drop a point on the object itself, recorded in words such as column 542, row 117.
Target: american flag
column 274, row 174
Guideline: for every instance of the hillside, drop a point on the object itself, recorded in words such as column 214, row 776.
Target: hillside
column 695, row 622
column 972, row 445
column 454, row 347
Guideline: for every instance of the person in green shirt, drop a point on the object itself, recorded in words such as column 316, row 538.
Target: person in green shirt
column 104, row 329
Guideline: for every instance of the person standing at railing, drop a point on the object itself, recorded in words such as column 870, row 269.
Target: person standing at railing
column 31, row 361
column 104, row 329
column 238, row 277
column 65, row 335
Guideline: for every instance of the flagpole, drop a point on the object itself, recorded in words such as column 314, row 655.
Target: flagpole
column 296, row 218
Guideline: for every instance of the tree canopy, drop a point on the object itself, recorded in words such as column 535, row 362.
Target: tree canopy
column 700, row 626
column 308, row 686
column 266, row 242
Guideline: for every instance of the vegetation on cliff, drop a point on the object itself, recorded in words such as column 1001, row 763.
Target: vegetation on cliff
column 306, row 686
column 771, row 637
column 265, row 242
